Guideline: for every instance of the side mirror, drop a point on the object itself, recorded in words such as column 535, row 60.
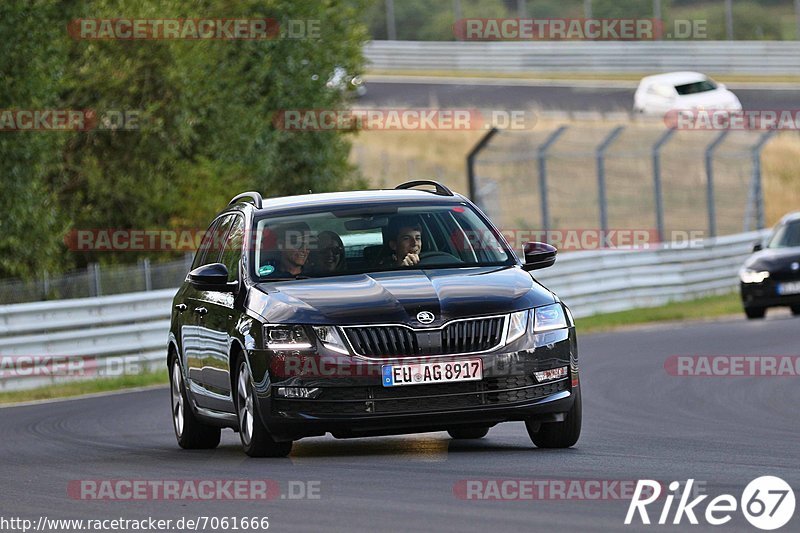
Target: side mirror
column 538, row 255
column 757, row 247
column 211, row 277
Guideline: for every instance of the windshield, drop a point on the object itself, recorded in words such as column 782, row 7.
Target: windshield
column 786, row 236
column 696, row 87
column 372, row 239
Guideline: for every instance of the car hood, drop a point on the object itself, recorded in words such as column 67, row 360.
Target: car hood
column 397, row 296
column 774, row 260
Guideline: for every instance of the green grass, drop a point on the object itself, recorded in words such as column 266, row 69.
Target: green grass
column 709, row 307
column 79, row 388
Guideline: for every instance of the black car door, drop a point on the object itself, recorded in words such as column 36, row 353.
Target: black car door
column 218, row 322
column 194, row 337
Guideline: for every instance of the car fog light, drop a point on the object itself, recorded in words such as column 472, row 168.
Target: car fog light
column 297, row 392
column 551, row 374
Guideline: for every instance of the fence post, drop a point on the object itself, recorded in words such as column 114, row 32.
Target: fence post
column 473, row 187
column 148, row 282
column 600, row 155
column 757, row 195
column 658, row 197
column 712, row 212
column 93, row 271
column 541, row 156
column 45, row 285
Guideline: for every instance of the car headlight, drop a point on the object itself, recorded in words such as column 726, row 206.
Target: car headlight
column 517, row 325
column 748, row 275
column 286, row 338
column 330, row 338
column 548, row 318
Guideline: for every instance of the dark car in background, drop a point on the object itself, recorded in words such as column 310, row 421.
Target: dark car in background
column 771, row 276
column 367, row 313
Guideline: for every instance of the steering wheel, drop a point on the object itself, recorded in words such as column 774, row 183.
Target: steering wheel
column 437, row 257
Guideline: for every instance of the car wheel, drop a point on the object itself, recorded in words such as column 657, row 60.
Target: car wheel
column 256, row 440
column 190, row 432
column 796, row 310
column 755, row 312
column 558, row 434
column 468, row 433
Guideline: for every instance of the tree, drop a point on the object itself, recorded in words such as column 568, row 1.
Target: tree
column 32, row 62
column 205, row 118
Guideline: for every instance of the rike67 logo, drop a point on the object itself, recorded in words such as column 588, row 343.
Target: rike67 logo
column 767, row 503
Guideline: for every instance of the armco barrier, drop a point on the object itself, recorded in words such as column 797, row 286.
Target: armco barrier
column 712, row 57
column 130, row 330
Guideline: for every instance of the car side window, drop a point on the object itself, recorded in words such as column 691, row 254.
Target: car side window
column 210, row 247
column 232, row 252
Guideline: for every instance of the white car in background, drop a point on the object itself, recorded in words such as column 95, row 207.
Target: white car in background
column 661, row 93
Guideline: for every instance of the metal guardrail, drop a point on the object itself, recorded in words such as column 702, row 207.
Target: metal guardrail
column 605, row 281
column 103, row 336
column 712, row 57
column 123, row 331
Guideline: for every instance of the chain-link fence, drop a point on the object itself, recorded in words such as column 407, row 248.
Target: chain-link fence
column 610, row 176
column 97, row 280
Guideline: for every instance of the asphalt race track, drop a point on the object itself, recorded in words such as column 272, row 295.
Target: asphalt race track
column 639, row 422
column 570, row 97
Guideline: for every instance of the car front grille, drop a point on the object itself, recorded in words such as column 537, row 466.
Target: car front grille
column 422, row 398
column 459, row 336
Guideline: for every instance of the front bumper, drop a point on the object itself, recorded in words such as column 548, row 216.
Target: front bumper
column 351, row 401
column 765, row 294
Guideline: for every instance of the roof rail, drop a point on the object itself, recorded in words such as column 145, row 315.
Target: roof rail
column 441, row 190
column 254, row 196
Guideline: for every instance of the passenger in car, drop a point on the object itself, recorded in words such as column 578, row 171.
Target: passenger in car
column 328, row 255
column 288, row 260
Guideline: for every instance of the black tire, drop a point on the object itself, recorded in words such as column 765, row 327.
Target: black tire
column 191, row 433
column 256, row 440
column 468, row 433
column 754, row 313
column 558, row 434
column 795, row 310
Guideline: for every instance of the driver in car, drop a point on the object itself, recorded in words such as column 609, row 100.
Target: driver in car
column 405, row 241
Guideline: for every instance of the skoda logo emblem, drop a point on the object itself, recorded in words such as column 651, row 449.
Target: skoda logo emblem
column 795, row 266
column 425, row 317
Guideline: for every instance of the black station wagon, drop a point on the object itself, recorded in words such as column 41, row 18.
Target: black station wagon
column 367, row 313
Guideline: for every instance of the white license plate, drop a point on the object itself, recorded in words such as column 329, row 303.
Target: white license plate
column 424, row 373
column 789, row 288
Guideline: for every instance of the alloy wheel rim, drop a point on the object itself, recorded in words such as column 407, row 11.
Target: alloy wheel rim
column 245, row 401
column 177, row 399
